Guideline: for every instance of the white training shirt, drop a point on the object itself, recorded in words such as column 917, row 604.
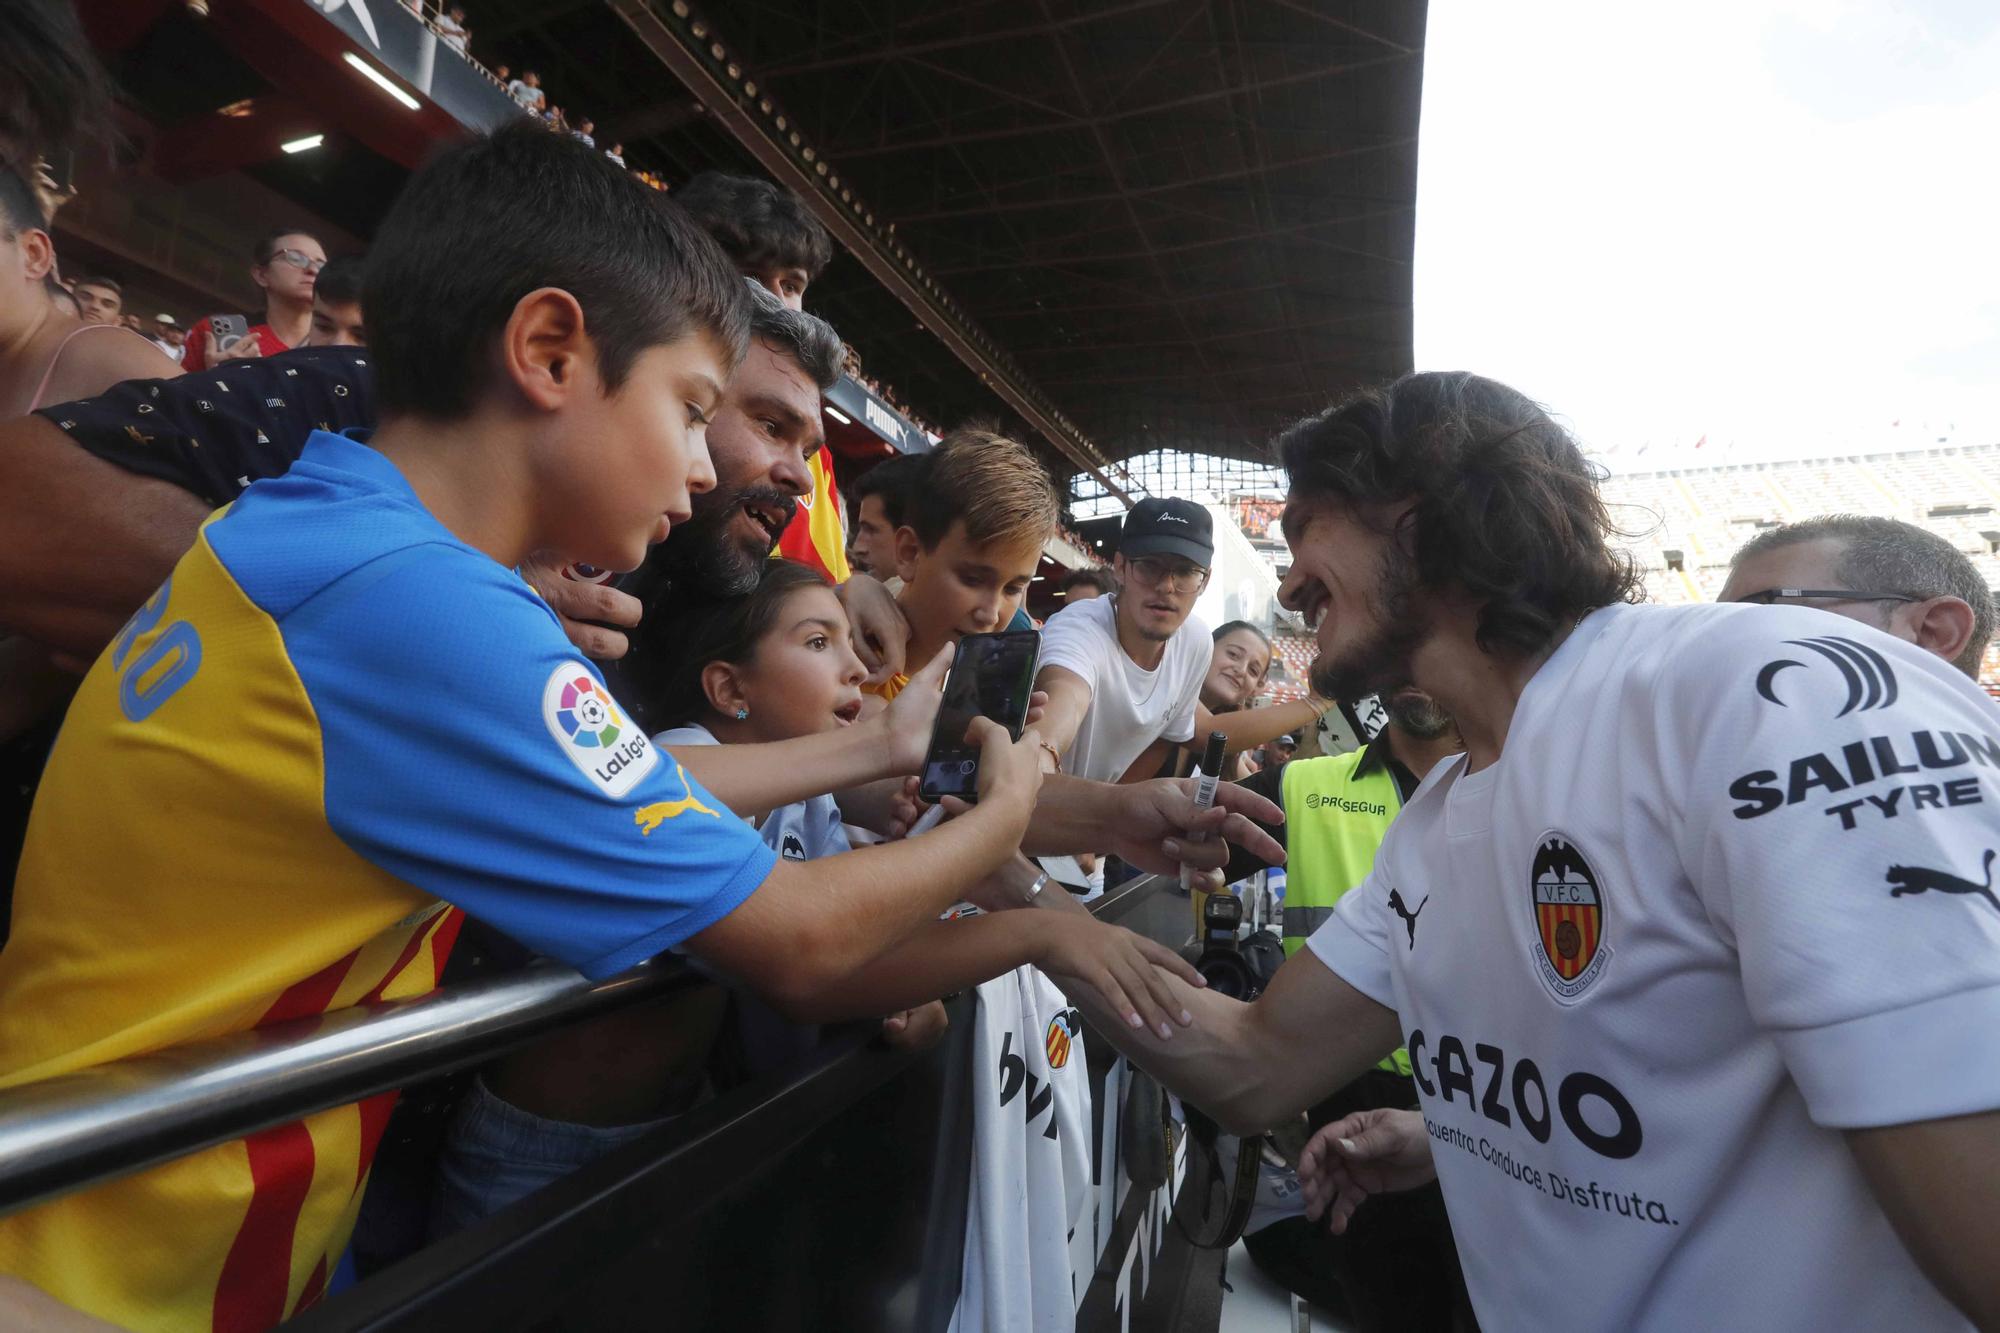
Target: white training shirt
column 1130, row 707
column 1728, row 891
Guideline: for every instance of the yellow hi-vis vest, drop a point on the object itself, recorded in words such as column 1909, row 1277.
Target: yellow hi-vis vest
column 1335, row 820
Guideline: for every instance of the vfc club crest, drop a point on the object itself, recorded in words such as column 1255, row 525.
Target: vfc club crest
column 1570, row 921
column 1062, row 1032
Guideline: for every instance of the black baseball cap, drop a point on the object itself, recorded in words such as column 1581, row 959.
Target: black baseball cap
column 1168, row 527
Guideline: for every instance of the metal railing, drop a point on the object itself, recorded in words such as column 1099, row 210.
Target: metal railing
column 81, row 1129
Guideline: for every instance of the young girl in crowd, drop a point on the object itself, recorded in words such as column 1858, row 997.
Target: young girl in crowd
column 776, row 665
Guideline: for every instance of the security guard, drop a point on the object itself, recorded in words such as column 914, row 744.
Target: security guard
column 1396, row 1269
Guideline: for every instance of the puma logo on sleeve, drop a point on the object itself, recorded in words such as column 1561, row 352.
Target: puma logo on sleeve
column 1919, row 879
column 650, row 817
column 1402, row 910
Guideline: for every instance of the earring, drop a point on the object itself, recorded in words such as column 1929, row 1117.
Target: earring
column 741, row 713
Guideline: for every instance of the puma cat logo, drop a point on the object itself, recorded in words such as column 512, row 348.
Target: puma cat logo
column 1919, row 879
column 1397, row 906
column 650, row 817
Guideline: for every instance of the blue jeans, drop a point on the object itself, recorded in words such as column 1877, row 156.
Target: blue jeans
column 496, row 1153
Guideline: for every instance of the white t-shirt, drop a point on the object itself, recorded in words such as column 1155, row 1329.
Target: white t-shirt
column 1130, row 707
column 1728, row 891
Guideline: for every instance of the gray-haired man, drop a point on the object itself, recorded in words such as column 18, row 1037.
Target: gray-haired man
column 1880, row 571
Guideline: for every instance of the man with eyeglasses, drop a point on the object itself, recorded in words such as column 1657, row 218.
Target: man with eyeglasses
column 1880, row 571
column 1124, row 671
column 286, row 265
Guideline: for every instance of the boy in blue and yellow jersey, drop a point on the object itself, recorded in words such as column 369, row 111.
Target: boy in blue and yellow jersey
column 344, row 718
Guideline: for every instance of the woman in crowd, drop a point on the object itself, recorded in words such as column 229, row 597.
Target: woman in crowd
column 48, row 354
column 1236, row 671
column 285, row 264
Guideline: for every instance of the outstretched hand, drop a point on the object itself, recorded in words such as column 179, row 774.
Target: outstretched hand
column 1008, row 769
column 1129, row 972
column 1159, row 829
column 1368, row 1152
column 906, row 723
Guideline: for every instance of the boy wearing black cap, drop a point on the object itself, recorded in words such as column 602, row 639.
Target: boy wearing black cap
column 1123, row 673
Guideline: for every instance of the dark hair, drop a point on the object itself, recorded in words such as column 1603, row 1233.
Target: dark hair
column 806, row 339
column 535, row 210
column 719, row 629
column 1228, row 628
column 340, row 281
column 267, row 246
column 20, row 206
column 987, row 481
column 98, row 280
column 1889, row 555
column 760, row 225
column 891, row 481
column 1505, row 506
column 53, row 93
column 1099, row 579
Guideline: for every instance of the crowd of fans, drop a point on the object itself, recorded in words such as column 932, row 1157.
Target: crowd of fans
column 740, row 666
column 383, row 718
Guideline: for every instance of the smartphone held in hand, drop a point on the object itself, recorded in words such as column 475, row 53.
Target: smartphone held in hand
column 992, row 676
column 228, row 330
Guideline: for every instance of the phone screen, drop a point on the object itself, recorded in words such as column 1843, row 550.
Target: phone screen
column 992, row 676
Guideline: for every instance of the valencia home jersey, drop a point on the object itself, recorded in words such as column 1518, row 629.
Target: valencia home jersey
column 1729, row 890
column 333, row 727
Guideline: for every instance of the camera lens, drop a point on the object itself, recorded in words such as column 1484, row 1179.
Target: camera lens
column 1226, row 974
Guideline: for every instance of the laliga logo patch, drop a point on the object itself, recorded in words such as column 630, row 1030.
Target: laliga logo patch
column 1570, row 952
column 586, row 713
column 588, row 727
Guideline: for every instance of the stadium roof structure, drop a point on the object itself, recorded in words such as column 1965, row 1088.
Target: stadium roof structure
column 1142, row 224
